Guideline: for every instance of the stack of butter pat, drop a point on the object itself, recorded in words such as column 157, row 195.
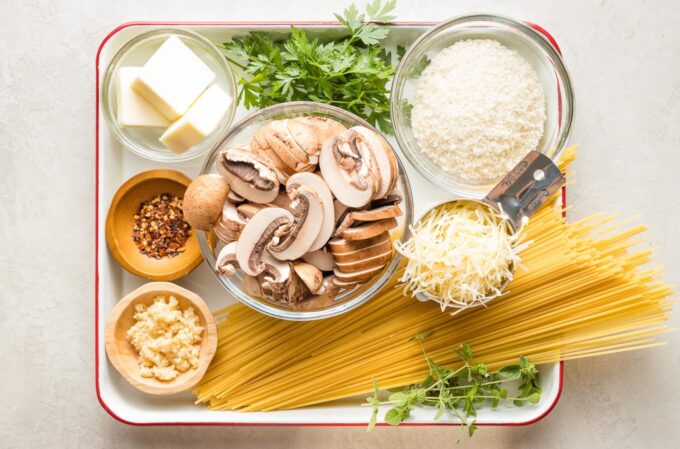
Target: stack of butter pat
column 173, row 90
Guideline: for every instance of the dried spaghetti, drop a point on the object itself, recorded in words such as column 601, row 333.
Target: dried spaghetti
column 585, row 292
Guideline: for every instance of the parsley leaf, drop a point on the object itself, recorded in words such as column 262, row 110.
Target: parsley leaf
column 351, row 72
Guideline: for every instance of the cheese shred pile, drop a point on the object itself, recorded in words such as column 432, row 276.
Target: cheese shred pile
column 460, row 253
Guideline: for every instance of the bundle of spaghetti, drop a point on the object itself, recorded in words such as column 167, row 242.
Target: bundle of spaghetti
column 585, row 291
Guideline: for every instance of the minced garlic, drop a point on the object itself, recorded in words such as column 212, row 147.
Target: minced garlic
column 166, row 338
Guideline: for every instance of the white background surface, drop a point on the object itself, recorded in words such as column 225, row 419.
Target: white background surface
column 623, row 57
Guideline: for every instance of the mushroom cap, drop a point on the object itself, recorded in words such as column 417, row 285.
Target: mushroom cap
column 235, row 198
column 342, row 246
column 293, row 143
column 276, row 271
column 282, row 200
column 203, row 201
column 383, row 158
column 226, row 262
column 260, row 146
column 248, row 175
column 229, row 226
column 368, row 215
column 252, row 286
column 369, row 229
column 364, row 263
column 324, row 126
column 256, row 235
column 350, row 178
column 321, row 258
column 306, row 138
column 357, row 276
column 328, row 286
column 364, row 253
column 310, row 275
column 318, row 185
column 343, row 284
column 248, row 210
column 309, row 215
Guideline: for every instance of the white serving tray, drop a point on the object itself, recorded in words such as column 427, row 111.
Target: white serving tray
column 115, row 165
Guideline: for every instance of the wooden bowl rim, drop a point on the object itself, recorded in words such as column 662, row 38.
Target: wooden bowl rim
column 205, row 357
column 112, row 239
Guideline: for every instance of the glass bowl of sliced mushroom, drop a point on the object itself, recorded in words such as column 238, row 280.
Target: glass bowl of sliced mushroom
column 306, row 201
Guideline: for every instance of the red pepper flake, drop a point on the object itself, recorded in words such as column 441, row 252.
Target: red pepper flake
column 160, row 230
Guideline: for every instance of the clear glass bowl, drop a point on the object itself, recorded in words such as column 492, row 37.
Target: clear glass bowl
column 144, row 141
column 240, row 134
column 529, row 43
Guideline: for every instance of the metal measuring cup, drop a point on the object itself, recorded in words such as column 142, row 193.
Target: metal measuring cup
column 517, row 196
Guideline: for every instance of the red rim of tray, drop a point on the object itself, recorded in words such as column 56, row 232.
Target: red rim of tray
column 104, row 405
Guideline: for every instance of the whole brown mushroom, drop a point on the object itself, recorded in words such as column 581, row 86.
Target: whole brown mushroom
column 203, row 201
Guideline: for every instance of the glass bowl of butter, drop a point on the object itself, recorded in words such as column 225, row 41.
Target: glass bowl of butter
column 168, row 95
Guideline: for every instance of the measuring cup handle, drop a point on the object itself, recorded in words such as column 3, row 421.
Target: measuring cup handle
column 526, row 187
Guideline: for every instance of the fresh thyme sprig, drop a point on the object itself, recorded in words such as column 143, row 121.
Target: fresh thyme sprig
column 351, row 73
column 460, row 390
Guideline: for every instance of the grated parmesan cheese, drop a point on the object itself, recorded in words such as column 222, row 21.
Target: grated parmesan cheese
column 460, row 253
column 478, row 109
column 166, row 338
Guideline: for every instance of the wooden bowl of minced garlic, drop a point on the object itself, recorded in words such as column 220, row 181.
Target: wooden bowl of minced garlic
column 161, row 338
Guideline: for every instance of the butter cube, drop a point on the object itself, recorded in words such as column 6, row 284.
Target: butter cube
column 199, row 121
column 173, row 78
column 132, row 108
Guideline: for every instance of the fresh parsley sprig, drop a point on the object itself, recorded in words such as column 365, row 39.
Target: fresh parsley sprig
column 351, row 73
column 461, row 390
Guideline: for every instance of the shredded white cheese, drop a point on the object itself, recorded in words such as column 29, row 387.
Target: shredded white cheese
column 460, row 253
column 166, row 338
column 478, row 109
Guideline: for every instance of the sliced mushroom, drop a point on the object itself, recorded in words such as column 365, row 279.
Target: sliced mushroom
column 291, row 145
column 230, row 225
column 344, row 284
column 257, row 234
column 328, row 286
column 340, row 211
column 234, row 198
column 275, row 280
column 309, row 213
column 203, row 201
column 341, row 246
column 363, row 253
column 226, row 262
column 310, row 275
column 361, row 263
column 368, row 230
column 251, row 285
column 316, row 302
column 324, row 126
column 276, row 272
column 248, row 210
column 285, row 287
column 248, row 175
column 345, row 163
column 363, row 216
column 384, row 160
column 259, row 146
column 356, row 276
column 282, row 200
column 321, row 259
column 389, row 200
column 319, row 186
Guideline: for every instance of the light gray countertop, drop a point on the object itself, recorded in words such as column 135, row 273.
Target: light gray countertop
column 624, row 60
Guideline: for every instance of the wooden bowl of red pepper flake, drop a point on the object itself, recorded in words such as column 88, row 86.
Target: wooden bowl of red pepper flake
column 145, row 227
